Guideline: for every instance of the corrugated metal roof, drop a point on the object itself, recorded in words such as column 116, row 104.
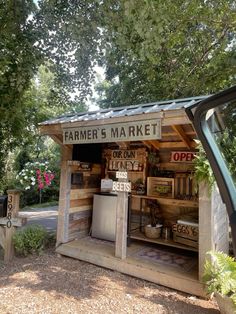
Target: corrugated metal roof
column 125, row 111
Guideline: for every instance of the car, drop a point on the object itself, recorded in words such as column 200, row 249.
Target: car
column 214, row 120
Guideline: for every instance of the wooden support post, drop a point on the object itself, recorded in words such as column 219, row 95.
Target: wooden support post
column 213, row 224
column 12, row 211
column 57, row 138
column 2, row 237
column 64, row 200
column 155, row 144
column 121, row 224
column 179, row 130
column 147, row 144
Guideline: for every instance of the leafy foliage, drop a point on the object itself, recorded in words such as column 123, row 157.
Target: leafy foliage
column 71, row 36
column 151, row 50
column 227, row 143
column 19, row 59
column 202, row 168
column 203, row 171
column 220, row 275
column 160, row 50
column 39, row 105
column 27, row 96
column 30, row 239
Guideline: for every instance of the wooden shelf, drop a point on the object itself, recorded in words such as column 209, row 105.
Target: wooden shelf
column 169, row 201
column 137, row 235
column 129, row 171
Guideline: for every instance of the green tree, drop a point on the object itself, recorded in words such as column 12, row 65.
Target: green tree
column 41, row 101
column 168, row 49
column 151, row 50
column 19, row 59
column 27, row 32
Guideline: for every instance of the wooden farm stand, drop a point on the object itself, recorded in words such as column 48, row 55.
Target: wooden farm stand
column 95, row 145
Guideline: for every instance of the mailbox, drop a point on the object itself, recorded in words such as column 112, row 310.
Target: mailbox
column 3, row 206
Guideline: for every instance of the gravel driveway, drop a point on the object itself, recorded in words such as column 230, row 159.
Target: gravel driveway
column 52, row 284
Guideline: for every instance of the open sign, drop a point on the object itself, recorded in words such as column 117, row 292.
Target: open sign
column 182, row 157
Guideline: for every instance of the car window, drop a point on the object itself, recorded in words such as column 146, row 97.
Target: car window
column 214, row 120
column 221, row 122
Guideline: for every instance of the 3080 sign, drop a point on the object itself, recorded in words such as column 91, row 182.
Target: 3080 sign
column 9, row 211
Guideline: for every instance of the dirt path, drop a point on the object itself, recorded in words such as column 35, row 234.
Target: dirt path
column 51, row 284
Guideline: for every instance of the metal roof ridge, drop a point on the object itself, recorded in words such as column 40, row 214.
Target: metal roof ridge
column 123, row 108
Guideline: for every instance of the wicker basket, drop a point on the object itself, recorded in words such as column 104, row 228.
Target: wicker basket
column 152, row 232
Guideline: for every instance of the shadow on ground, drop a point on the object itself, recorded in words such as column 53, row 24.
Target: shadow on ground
column 69, row 278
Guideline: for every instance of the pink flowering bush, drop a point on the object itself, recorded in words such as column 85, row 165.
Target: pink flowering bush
column 36, row 176
column 44, row 178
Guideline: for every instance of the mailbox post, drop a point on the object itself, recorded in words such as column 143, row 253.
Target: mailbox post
column 9, row 223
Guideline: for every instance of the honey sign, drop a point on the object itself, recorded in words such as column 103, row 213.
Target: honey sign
column 124, row 159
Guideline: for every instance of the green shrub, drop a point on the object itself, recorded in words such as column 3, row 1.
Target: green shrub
column 220, row 275
column 50, row 241
column 30, row 239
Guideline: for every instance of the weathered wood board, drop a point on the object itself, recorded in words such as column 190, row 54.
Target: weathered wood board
column 81, row 200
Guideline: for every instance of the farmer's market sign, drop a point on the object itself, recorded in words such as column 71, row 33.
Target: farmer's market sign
column 126, row 131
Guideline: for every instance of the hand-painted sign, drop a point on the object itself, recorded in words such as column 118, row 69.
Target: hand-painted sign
column 106, row 185
column 126, row 131
column 122, row 175
column 182, row 157
column 129, row 165
column 121, row 186
column 124, row 154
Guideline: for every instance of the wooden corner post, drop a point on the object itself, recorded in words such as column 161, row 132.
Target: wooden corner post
column 213, row 224
column 64, row 200
column 122, row 187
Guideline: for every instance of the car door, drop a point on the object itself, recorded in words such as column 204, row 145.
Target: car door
column 214, row 120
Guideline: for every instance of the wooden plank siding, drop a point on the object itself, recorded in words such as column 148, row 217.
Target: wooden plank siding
column 64, row 199
column 81, row 203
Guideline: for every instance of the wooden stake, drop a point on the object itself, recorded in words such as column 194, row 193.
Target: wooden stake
column 12, row 211
column 121, row 224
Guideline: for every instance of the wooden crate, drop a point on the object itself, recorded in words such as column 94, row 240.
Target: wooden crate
column 186, row 241
column 160, row 187
column 185, row 186
column 185, row 234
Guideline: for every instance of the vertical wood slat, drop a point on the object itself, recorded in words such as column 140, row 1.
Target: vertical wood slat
column 213, row 224
column 121, row 225
column 184, row 185
column 64, row 199
column 187, row 185
column 2, row 237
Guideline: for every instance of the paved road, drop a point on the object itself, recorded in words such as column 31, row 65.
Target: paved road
column 46, row 217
